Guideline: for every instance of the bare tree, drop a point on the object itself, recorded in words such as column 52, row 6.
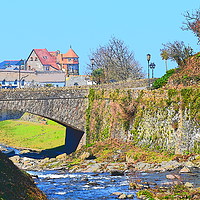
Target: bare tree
column 192, row 23
column 177, row 52
column 116, row 61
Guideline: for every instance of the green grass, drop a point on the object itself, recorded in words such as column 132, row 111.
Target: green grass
column 31, row 135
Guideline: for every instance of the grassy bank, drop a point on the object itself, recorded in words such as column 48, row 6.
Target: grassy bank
column 31, row 134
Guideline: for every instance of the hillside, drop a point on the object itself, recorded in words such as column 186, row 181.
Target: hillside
column 15, row 184
column 187, row 75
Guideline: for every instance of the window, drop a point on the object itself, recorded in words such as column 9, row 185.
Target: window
column 31, row 58
column 4, row 82
column 45, row 57
column 36, row 58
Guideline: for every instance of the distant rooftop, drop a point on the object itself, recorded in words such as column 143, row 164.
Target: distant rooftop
column 9, row 63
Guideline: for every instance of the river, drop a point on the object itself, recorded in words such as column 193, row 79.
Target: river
column 62, row 185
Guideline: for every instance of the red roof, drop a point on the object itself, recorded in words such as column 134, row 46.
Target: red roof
column 46, row 58
column 70, row 54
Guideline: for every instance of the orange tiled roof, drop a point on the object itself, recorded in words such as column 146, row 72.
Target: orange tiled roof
column 46, row 58
column 70, row 54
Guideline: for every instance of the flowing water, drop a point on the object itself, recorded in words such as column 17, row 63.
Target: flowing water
column 60, row 185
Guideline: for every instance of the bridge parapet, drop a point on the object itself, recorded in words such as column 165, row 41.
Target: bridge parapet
column 63, row 105
column 43, row 93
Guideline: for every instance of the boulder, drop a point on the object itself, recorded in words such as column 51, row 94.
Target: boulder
column 130, row 196
column 117, row 173
column 62, row 156
column 122, row 196
column 116, row 193
column 15, row 159
column 189, row 185
column 85, row 155
column 170, row 176
column 185, row 170
column 93, row 168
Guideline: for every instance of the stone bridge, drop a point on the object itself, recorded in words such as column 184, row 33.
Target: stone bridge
column 62, row 105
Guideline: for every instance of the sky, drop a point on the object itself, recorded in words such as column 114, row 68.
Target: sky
column 84, row 25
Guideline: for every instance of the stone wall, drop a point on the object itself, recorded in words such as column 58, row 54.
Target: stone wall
column 161, row 119
column 59, row 104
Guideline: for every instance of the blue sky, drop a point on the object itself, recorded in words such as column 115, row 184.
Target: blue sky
column 85, row 24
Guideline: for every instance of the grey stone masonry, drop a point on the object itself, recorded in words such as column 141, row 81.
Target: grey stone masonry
column 63, row 105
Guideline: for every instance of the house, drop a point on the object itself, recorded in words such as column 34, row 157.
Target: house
column 43, row 60
column 42, row 68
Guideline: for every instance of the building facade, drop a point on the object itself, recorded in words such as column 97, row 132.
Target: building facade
column 69, row 62
column 43, row 60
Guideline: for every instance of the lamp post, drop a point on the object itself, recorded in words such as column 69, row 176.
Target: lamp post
column 92, row 63
column 152, row 66
column 148, row 60
column 20, row 64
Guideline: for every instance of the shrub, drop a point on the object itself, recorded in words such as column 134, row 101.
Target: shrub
column 163, row 80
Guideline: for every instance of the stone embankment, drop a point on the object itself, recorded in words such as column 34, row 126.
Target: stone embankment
column 89, row 164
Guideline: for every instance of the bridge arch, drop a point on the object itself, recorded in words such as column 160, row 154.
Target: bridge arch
column 66, row 107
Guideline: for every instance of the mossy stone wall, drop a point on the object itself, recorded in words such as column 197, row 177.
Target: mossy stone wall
column 160, row 119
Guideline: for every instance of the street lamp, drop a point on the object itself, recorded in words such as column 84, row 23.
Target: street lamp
column 20, row 64
column 152, row 66
column 92, row 63
column 148, row 60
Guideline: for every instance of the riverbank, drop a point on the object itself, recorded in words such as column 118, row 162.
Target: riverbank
column 119, row 159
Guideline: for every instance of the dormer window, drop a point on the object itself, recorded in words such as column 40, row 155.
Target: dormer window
column 45, row 57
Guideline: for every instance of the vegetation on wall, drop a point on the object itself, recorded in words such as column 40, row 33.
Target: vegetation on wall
column 163, row 80
column 157, row 119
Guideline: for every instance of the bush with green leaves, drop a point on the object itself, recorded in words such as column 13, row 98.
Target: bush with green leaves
column 163, row 80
